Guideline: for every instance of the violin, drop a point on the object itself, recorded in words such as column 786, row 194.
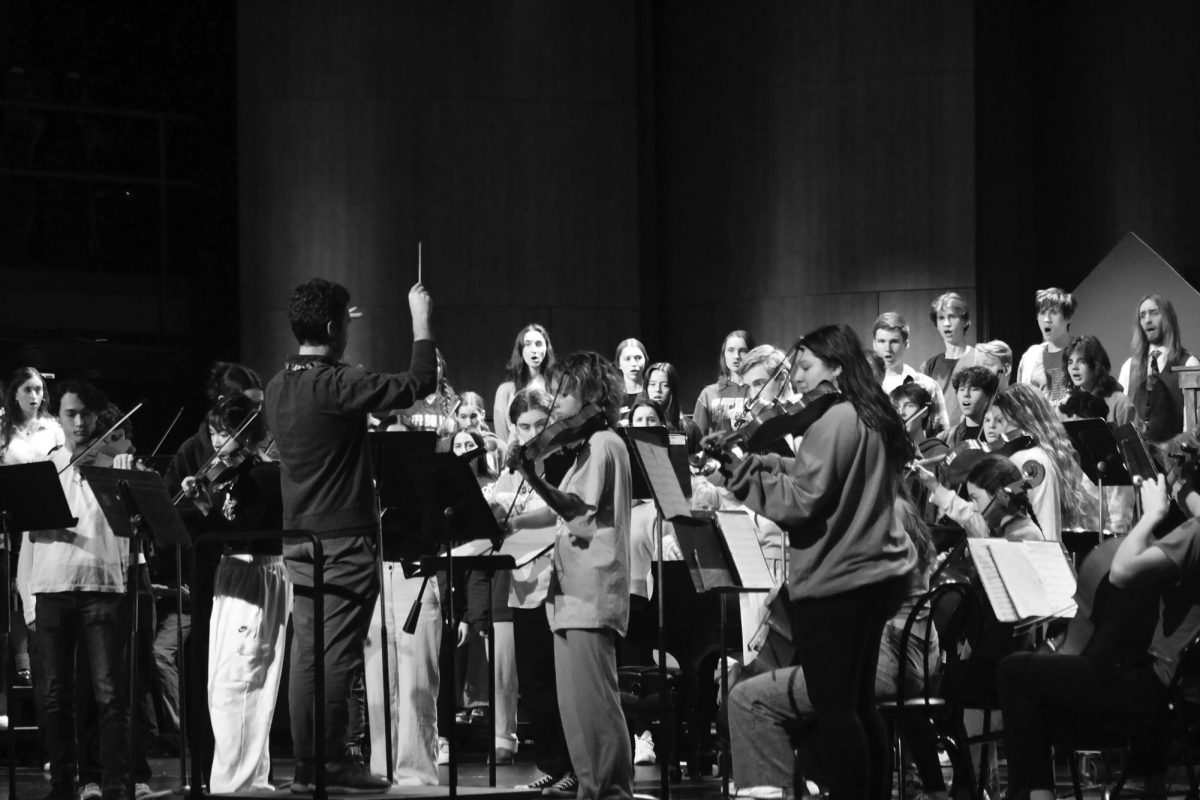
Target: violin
column 566, row 434
column 958, row 463
column 1178, row 460
column 772, row 423
column 219, row 471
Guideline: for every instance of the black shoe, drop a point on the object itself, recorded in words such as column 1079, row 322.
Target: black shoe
column 302, row 783
column 543, row 781
column 351, row 778
column 565, row 787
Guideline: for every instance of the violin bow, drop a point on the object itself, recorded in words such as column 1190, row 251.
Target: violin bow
column 96, row 441
column 216, row 455
column 167, row 433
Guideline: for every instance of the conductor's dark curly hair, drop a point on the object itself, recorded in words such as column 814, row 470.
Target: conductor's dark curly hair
column 315, row 304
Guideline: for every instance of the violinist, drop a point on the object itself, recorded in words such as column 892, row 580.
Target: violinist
column 225, row 379
column 974, row 387
column 1060, row 500
column 251, row 598
column 317, row 409
column 78, row 578
column 1045, row 693
column 848, row 562
column 588, row 599
column 518, row 507
column 997, row 502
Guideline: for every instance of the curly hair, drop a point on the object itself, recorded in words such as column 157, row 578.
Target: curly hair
column 593, row 379
column 1025, row 407
column 316, row 305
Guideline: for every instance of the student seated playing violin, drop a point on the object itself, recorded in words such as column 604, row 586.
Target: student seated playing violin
column 1045, row 694
column 1060, row 500
column 998, row 504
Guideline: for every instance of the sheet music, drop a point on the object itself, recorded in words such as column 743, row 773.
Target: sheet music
column 1058, row 580
column 524, row 546
column 661, row 476
column 741, row 542
column 1021, row 579
column 989, row 576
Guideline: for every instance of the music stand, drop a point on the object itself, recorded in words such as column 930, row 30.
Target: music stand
column 1099, row 455
column 713, row 565
column 136, row 505
column 657, row 478
column 388, row 449
column 455, row 510
column 31, row 499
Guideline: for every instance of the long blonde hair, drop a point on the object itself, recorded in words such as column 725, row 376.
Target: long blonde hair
column 1025, row 407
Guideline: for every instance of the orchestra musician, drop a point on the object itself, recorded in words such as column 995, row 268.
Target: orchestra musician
column 848, row 562
column 251, row 597
column 1147, row 375
column 518, row 507
column 317, row 409
column 78, row 578
column 1044, row 694
column 588, row 599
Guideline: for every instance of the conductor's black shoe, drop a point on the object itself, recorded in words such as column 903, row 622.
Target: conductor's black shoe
column 302, row 783
column 349, row 777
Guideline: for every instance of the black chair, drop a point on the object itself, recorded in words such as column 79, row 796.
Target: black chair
column 954, row 611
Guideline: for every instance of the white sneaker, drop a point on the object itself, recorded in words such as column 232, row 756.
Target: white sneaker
column 142, row 791
column 90, row 791
column 443, row 753
column 760, row 793
column 643, row 749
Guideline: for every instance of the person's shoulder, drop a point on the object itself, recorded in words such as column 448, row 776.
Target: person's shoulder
column 1033, row 351
column 1182, row 547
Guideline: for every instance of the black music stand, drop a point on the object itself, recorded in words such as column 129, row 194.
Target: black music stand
column 657, row 478
column 388, row 449
column 31, row 499
column 1099, row 456
column 454, row 511
column 136, row 505
column 713, row 569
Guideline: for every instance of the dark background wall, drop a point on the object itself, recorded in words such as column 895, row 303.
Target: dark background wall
column 660, row 168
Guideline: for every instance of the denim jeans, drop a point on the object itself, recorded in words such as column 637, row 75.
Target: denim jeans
column 93, row 621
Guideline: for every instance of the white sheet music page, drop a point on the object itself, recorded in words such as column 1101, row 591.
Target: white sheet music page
column 741, row 542
column 1057, row 577
column 526, row 545
column 1021, row 579
column 989, row 576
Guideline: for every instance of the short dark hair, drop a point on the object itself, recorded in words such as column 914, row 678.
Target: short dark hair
column 314, row 305
column 976, row 378
column 913, row 392
column 227, row 379
column 93, row 399
column 232, row 412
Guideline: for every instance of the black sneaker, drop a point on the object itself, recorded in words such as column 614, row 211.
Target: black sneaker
column 302, row 783
column 544, row 780
column 351, row 778
column 565, row 787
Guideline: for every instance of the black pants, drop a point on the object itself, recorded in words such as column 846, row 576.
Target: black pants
column 539, row 693
column 1049, row 697
column 838, row 646
column 351, row 588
